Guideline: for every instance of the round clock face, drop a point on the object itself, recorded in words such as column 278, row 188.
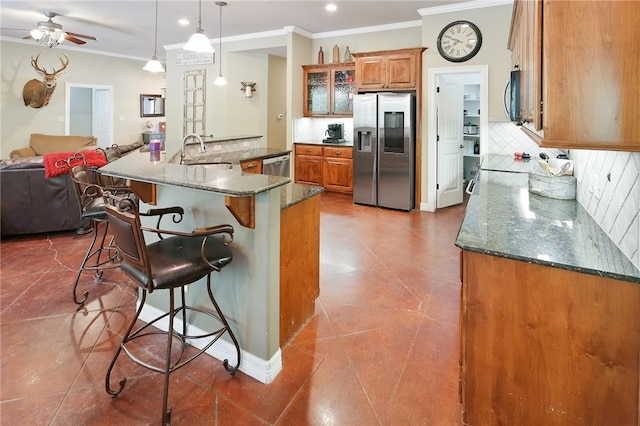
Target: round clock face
column 459, row 41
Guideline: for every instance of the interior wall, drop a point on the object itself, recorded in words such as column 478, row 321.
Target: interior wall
column 19, row 121
column 494, row 23
column 277, row 103
column 400, row 38
column 245, row 116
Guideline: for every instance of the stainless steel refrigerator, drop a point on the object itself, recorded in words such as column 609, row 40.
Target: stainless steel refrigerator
column 384, row 135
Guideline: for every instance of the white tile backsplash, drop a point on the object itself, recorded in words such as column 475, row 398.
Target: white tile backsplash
column 609, row 189
column 507, row 138
column 608, row 184
column 313, row 129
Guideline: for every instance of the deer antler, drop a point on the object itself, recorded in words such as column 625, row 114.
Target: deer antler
column 34, row 64
column 64, row 65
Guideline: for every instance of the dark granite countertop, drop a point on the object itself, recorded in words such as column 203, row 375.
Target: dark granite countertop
column 346, row 143
column 214, row 178
column 234, row 157
column 294, row 193
column 504, row 219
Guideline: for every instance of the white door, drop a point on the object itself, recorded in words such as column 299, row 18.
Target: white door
column 102, row 117
column 449, row 140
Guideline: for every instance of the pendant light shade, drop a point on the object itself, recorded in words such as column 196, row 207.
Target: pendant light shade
column 220, row 80
column 153, row 65
column 199, row 42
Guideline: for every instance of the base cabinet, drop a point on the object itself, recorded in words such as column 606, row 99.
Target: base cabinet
column 308, row 165
column 251, row 166
column 299, row 251
column 547, row 346
column 337, row 169
column 329, row 167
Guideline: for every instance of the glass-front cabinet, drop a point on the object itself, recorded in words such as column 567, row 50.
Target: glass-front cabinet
column 329, row 90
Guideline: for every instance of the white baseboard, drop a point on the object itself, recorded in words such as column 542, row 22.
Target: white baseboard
column 264, row 371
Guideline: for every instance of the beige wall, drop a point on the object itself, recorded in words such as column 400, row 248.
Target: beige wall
column 126, row 77
column 494, row 23
column 277, row 103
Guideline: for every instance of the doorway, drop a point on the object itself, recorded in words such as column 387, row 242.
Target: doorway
column 452, row 152
column 88, row 111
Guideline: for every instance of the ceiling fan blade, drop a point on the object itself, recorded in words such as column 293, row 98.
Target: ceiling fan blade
column 81, row 35
column 72, row 39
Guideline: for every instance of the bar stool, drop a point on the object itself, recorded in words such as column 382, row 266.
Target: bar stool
column 89, row 193
column 174, row 261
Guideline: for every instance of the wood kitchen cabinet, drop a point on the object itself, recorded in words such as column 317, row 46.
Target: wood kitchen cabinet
column 337, row 169
column 388, row 70
column 587, row 55
column 327, row 166
column 525, row 43
column 251, row 166
column 328, row 90
column 308, row 164
column 547, row 346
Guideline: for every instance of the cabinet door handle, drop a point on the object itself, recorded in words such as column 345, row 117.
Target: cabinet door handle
column 338, row 152
column 307, row 150
column 251, row 165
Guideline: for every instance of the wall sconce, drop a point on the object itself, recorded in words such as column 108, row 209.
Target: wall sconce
column 248, row 88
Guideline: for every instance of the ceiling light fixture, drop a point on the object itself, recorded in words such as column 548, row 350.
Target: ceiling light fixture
column 220, row 80
column 154, row 65
column 199, row 42
column 48, row 37
column 331, row 7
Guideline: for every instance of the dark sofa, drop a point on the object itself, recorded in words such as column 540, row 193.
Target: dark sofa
column 30, row 203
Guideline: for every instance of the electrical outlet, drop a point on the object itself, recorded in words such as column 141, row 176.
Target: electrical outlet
column 61, row 118
column 246, row 144
column 217, row 147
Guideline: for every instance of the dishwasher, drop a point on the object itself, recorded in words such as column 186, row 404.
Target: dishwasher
column 276, row 166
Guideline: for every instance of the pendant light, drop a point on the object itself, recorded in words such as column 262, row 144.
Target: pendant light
column 153, row 65
column 199, row 42
column 220, row 80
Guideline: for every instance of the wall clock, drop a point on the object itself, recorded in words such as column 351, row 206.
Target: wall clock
column 459, row 41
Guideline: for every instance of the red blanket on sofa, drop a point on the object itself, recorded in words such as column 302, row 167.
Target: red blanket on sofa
column 92, row 158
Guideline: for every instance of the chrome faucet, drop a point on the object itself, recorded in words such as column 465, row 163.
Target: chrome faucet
column 202, row 149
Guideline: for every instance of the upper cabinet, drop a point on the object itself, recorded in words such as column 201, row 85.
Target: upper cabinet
column 329, row 90
column 389, row 70
column 525, row 43
column 582, row 66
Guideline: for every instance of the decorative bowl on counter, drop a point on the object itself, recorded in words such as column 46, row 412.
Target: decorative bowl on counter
column 558, row 187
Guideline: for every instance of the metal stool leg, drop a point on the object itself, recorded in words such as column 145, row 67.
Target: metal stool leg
column 223, row 320
column 95, row 250
column 125, row 339
column 94, row 225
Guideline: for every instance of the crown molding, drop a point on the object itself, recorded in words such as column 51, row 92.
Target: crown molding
column 457, row 7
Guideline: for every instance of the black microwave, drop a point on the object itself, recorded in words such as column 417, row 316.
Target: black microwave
column 514, row 96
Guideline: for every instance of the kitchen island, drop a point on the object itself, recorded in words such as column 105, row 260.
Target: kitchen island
column 549, row 315
column 251, row 290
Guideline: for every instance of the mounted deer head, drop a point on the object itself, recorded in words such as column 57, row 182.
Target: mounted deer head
column 36, row 93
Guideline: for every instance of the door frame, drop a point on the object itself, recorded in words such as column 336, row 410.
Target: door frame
column 432, row 119
column 110, row 107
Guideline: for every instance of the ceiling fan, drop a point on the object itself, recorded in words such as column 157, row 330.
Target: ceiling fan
column 50, row 34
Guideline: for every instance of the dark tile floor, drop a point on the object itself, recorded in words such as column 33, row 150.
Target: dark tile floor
column 382, row 348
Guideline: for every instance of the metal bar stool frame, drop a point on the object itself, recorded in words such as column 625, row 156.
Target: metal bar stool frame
column 89, row 194
column 209, row 254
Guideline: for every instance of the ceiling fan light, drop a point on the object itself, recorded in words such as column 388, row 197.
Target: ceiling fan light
column 60, row 37
column 153, row 65
column 199, row 42
column 37, row 34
